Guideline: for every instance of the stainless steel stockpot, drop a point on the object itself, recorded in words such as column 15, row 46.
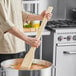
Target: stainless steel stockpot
column 7, row 71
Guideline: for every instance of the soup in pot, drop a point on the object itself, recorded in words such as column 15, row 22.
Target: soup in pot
column 16, row 63
column 34, row 66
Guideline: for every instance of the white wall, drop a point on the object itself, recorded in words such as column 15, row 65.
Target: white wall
column 43, row 5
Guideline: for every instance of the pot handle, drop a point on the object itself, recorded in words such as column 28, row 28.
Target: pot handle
column 2, row 72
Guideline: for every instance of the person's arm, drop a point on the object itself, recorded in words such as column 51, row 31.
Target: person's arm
column 31, row 41
column 8, row 26
column 32, row 17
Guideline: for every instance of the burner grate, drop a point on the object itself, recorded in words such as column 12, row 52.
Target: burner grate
column 61, row 23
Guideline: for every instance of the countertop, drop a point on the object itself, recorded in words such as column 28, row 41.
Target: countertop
column 46, row 32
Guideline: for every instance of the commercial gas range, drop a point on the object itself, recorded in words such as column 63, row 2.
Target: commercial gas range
column 63, row 34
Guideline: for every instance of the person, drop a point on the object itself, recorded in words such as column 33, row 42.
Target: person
column 12, row 37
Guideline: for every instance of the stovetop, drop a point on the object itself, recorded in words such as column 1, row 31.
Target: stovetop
column 60, row 24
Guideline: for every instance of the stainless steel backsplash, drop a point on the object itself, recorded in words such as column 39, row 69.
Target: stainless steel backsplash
column 61, row 7
column 64, row 8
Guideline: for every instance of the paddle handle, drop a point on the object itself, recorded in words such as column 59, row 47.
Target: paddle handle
column 43, row 24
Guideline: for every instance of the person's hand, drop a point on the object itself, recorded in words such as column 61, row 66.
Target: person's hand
column 45, row 14
column 34, row 42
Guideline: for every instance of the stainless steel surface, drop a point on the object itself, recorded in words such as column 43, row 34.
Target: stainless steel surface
column 66, row 62
column 13, row 72
column 61, row 8
column 64, row 51
column 2, row 72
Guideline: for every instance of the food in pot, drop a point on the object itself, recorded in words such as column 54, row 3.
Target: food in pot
column 16, row 63
column 34, row 66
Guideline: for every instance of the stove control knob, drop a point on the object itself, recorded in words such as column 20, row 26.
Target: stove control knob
column 68, row 38
column 74, row 37
column 60, row 38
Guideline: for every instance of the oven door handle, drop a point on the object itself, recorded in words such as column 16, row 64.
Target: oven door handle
column 68, row 52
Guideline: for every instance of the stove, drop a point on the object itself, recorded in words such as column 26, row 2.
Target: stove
column 63, row 46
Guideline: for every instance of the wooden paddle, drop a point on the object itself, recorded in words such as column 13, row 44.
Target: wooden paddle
column 28, row 59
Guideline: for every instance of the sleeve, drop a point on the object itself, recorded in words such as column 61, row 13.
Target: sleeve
column 25, row 15
column 6, row 24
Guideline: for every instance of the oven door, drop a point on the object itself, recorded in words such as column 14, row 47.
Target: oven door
column 66, row 60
